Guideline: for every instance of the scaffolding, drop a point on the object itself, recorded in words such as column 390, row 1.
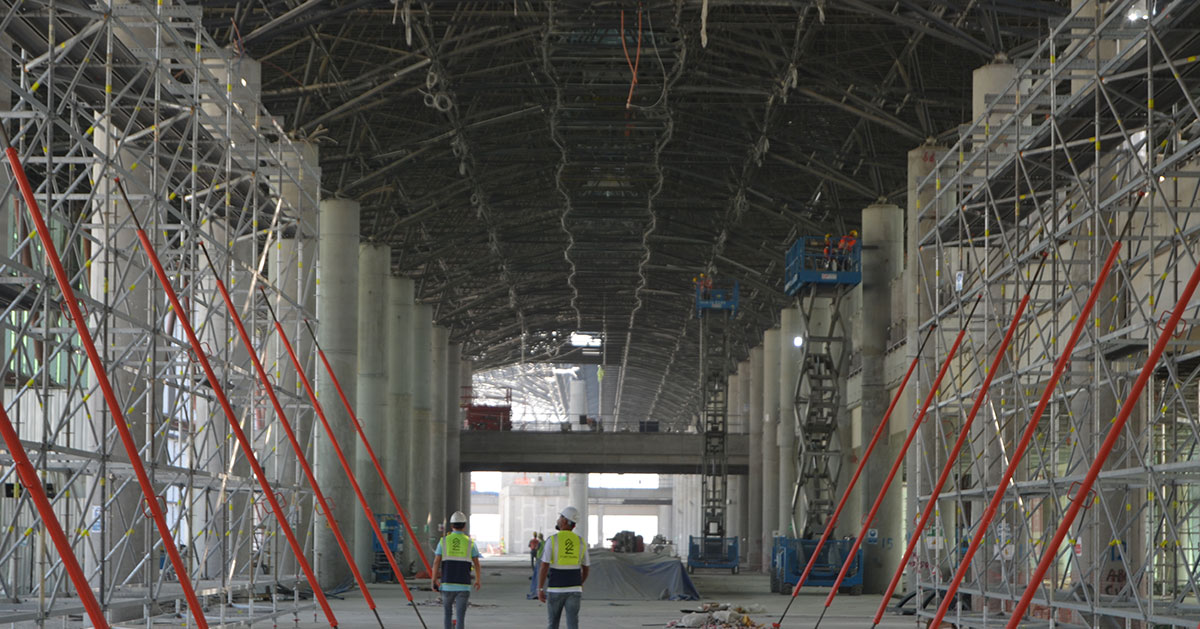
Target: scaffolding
column 1089, row 141
column 93, row 93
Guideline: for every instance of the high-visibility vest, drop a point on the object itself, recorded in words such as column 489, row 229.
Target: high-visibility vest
column 456, row 559
column 565, row 567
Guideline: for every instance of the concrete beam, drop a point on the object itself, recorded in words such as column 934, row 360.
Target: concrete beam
column 621, row 452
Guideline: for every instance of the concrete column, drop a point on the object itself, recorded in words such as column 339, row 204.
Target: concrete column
column 466, row 368
column 419, row 444
column 735, row 502
column 337, row 311
column 398, row 339
column 437, row 432
column 883, row 259
column 578, row 488
column 374, row 265
column 291, row 265
column 743, row 480
column 453, row 490
column 770, row 437
column 109, row 283
column 755, row 478
column 789, row 372
column 921, row 163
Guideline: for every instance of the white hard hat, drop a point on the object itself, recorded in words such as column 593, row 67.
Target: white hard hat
column 458, row 518
column 571, row 514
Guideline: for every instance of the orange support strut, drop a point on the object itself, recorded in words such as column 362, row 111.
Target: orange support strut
column 218, row 390
column 291, row 435
column 110, row 398
column 30, row 480
column 370, row 451
column 337, row 448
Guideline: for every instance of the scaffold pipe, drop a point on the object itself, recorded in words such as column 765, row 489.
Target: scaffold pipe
column 912, row 431
column 29, row 478
column 952, row 456
column 291, row 435
column 1106, row 448
column 219, row 391
column 110, row 397
column 1059, row 366
column 337, row 448
column 912, row 434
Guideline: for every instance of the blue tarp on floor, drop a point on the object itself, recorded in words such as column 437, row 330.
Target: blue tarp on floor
column 634, row 576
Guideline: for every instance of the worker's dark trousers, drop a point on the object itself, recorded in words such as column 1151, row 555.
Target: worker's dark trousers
column 557, row 603
column 456, row 603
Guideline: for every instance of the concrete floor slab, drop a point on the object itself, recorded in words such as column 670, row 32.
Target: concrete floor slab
column 501, row 604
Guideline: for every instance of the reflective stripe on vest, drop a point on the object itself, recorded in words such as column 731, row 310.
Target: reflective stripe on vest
column 456, row 559
column 565, row 570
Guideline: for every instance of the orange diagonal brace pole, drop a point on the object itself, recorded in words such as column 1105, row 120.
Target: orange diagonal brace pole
column 291, row 435
column 911, row 432
column 862, row 463
column 110, row 397
column 963, row 432
column 30, row 480
column 1059, row 366
column 185, row 322
column 337, row 448
column 370, row 451
column 1114, row 433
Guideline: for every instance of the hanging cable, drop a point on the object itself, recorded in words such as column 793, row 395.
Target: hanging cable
column 637, row 60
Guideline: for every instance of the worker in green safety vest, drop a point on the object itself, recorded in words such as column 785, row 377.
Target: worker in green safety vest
column 455, row 555
column 565, row 565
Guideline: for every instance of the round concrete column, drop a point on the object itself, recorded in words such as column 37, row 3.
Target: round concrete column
column 466, row 369
column 453, row 491
column 789, row 372
column 437, row 430
column 743, row 480
column 755, row 485
column 770, row 447
column 578, row 487
column 337, row 312
column 374, row 265
column 398, row 335
column 290, row 264
column 883, row 260
column 419, row 445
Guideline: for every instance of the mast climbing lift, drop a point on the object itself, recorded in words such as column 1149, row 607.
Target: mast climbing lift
column 819, row 277
column 715, row 309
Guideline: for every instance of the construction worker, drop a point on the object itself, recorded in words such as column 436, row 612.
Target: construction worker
column 455, row 555
column 565, row 565
column 827, row 261
column 846, row 249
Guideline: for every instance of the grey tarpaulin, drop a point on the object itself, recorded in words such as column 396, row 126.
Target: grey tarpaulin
column 636, row 576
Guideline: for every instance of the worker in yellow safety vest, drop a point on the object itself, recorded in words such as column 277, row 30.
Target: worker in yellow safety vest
column 455, row 555
column 565, row 565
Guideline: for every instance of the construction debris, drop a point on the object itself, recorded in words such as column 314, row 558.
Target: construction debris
column 720, row 616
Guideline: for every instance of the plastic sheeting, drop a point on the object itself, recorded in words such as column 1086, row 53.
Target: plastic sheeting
column 635, row 576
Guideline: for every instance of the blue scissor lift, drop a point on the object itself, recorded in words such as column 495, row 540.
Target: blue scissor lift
column 715, row 308
column 789, row 556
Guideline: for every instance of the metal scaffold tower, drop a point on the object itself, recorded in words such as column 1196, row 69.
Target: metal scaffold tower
column 1074, row 497
column 92, row 94
column 715, row 308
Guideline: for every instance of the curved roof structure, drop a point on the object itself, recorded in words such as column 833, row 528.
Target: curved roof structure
column 543, row 168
